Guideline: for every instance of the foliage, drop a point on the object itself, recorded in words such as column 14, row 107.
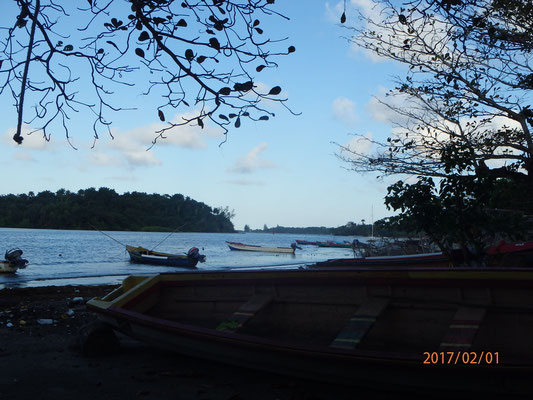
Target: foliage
column 199, row 57
column 105, row 209
column 457, row 212
column 462, row 115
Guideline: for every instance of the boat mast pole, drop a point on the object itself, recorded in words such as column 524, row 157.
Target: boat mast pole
column 372, row 217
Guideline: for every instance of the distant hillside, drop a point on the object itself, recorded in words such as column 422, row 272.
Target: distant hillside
column 105, row 209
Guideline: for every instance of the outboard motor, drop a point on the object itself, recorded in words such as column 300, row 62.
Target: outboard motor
column 15, row 259
column 194, row 253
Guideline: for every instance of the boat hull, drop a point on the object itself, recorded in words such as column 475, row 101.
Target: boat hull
column 263, row 249
column 294, row 333
column 140, row 255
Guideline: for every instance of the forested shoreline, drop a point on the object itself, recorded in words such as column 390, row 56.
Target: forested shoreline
column 105, row 209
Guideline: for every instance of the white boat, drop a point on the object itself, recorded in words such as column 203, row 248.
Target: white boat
column 251, row 247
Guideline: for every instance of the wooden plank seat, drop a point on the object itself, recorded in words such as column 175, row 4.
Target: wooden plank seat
column 463, row 328
column 245, row 313
column 360, row 323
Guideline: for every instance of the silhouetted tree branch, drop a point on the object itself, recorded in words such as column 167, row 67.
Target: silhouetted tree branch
column 202, row 59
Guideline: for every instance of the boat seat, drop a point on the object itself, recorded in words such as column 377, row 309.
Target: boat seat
column 463, row 328
column 245, row 313
column 360, row 323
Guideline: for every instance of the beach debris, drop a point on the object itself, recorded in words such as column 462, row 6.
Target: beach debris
column 77, row 300
column 45, row 321
column 22, row 322
column 9, row 325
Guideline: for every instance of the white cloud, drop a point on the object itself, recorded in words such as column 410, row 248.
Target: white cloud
column 344, row 111
column 34, row 141
column 134, row 146
column 252, row 161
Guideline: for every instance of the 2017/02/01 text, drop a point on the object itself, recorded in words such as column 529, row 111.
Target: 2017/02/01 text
column 461, row 357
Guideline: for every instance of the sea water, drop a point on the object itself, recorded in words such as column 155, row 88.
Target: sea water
column 68, row 257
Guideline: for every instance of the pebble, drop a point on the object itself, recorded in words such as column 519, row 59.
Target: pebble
column 45, row 321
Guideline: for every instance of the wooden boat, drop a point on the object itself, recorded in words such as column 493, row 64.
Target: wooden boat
column 305, row 242
column 140, row 255
column 501, row 255
column 13, row 261
column 341, row 245
column 440, row 331
column 411, row 260
column 250, row 247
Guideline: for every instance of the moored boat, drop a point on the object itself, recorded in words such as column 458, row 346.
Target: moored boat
column 305, row 242
column 140, row 255
column 411, row 260
column 266, row 249
column 451, row 332
column 341, row 245
column 13, row 261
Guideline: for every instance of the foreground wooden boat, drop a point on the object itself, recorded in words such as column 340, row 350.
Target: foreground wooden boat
column 140, row 255
column 13, row 261
column 250, row 247
column 439, row 331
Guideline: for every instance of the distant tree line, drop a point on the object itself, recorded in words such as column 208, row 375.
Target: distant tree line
column 382, row 227
column 105, row 209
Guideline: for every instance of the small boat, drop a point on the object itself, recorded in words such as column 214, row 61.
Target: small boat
column 305, row 242
column 341, row 245
column 455, row 332
column 140, row 255
column 250, row 247
column 13, row 261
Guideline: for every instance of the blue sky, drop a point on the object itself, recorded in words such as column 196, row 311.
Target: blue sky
column 279, row 172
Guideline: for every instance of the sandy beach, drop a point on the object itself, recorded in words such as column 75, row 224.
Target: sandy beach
column 41, row 358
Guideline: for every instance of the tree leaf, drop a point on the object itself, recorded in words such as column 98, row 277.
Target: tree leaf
column 256, row 22
column 238, row 122
column 260, row 68
column 259, row 30
column 343, row 18
column 189, row 55
column 263, row 118
column 144, row 36
column 292, row 49
column 113, row 44
column 232, row 115
column 225, row 91
column 200, row 123
column 200, row 59
column 68, row 47
column 139, row 52
column 214, row 43
column 275, row 91
column 222, row 116
column 161, row 115
column 182, row 22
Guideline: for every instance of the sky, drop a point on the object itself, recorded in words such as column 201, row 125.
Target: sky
column 278, row 172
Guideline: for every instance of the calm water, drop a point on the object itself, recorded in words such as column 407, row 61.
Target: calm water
column 60, row 257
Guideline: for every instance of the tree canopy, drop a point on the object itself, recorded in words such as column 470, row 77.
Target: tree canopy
column 462, row 118
column 200, row 58
column 105, row 209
